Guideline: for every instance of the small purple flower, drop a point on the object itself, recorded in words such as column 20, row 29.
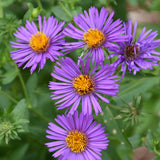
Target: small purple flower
column 76, row 138
column 136, row 54
column 76, row 85
column 96, row 31
column 35, row 46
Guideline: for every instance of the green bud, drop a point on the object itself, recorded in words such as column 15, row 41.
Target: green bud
column 131, row 113
column 11, row 125
column 5, row 127
column 35, row 12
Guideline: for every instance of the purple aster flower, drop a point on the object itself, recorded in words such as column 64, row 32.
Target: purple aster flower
column 95, row 31
column 136, row 54
column 76, row 85
column 76, row 138
column 35, row 46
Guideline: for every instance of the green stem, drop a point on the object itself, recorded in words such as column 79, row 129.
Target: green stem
column 39, row 4
column 112, row 125
column 117, row 70
column 25, row 93
column 107, row 3
column 39, row 115
column 24, row 88
column 28, row 100
column 114, row 107
column 131, row 87
column 108, row 54
column 21, row 80
column 157, row 152
column 31, row 109
column 65, row 9
column 9, row 97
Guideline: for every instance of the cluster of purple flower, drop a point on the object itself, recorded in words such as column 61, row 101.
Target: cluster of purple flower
column 90, row 79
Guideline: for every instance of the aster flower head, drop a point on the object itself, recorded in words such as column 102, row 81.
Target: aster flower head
column 78, row 84
column 95, row 31
column 35, row 45
column 136, row 54
column 76, row 137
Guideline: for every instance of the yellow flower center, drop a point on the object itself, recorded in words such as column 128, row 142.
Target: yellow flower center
column 94, row 38
column 39, row 42
column 83, row 84
column 76, row 141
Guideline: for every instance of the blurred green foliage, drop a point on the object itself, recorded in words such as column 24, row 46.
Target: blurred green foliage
column 25, row 103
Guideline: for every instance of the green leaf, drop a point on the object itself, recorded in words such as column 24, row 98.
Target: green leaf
column 116, row 132
column 150, row 144
column 1, row 9
column 32, row 82
column 60, row 13
column 6, row 3
column 4, row 102
column 31, row 86
column 110, row 153
column 9, row 76
column 155, row 5
column 134, row 88
column 20, row 111
column 135, row 140
column 19, row 153
column 134, row 3
column 156, row 158
column 28, row 14
column 77, row 11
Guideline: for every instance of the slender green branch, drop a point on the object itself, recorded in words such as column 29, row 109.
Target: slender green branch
column 31, row 109
column 132, row 86
column 114, row 126
column 117, row 70
column 65, row 9
column 39, row 115
column 114, row 107
column 9, row 97
column 24, row 88
column 107, row 3
column 21, row 80
column 28, row 100
column 108, row 54
column 157, row 152
column 39, row 4
column 25, row 93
